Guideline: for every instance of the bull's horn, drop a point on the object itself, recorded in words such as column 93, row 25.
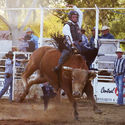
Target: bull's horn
column 93, row 71
column 67, row 68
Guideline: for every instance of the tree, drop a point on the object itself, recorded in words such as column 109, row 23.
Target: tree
column 17, row 20
column 52, row 24
column 20, row 20
column 106, row 16
column 13, row 16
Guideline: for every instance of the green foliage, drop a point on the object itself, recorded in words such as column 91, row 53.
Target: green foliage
column 52, row 24
column 3, row 26
column 106, row 16
column 54, row 20
column 116, row 21
column 118, row 26
column 89, row 15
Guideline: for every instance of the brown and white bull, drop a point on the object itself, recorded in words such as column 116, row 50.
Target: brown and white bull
column 75, row 80
column 80, row 78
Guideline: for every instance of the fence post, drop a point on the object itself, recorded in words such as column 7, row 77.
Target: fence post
column 40, row 42
column 96, row 26
column 13, row 83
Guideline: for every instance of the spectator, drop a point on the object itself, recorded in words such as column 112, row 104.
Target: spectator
column 91, row 43
column 106, row 33
column 33, row 38
column 84, row 38
column 31, row 44
column 23, row 45
column 119, row 74
column 8, row 75
column 14, row 49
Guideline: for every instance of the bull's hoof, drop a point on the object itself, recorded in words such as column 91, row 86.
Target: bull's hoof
column 45, row 107
column 98, row 111
column 76, row 116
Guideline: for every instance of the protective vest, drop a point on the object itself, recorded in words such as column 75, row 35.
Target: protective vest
column 75, row 31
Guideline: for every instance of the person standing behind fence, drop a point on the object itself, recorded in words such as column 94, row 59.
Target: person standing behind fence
column 84, row 37
column 106, row 33
column 119, row 74
column 91, row 42
column 31, row 44
column 34, row 38
column 8, row 75
column 23, row 45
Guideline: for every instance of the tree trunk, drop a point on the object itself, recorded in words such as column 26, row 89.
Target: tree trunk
column 13, row 20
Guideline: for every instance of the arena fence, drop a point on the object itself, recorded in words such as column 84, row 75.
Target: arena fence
column 104, row 87
column 105, row 90
column 2, row 71
column 19, row 62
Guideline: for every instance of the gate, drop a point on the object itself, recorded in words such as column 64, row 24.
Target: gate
column 105, row 90
column 19, row 62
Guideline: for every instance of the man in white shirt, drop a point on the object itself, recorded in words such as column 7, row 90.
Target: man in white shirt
column 119, row 74
column 8, row 75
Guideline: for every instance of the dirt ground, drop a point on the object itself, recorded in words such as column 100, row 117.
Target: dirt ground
column 32, row 113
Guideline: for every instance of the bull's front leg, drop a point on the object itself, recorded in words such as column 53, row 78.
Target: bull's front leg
column 76, row 115
column 89, row 92
column 74, row 103
column 25, row 76
column 38, row 80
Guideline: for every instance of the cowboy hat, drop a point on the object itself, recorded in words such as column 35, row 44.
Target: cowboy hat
column 10, row 53
column 119, row 50
column 105, row 28
column 28, row 30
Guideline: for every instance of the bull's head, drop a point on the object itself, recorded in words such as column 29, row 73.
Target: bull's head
column 79, row 79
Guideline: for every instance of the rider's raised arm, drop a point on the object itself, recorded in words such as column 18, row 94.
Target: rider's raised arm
column 80, row 16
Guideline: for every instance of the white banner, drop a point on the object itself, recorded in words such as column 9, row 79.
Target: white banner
column 106, row 93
